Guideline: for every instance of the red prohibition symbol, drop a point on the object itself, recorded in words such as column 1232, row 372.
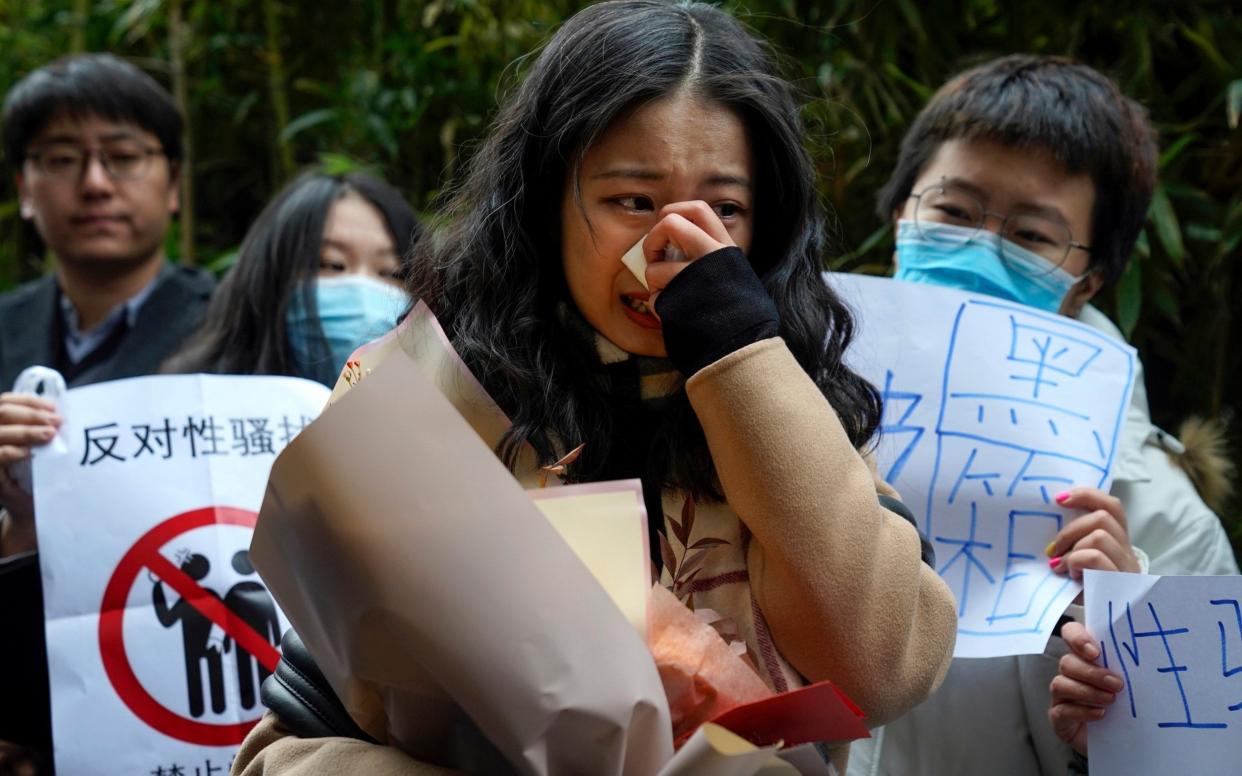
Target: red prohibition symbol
column 146, row 554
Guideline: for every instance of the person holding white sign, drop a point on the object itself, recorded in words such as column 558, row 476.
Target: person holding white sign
column 328, row 252
column 1028, row 179
column 96, row 148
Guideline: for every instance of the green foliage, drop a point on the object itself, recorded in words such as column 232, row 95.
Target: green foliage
column 406, row 86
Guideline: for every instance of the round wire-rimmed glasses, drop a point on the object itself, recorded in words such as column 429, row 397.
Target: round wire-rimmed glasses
column 944, row 203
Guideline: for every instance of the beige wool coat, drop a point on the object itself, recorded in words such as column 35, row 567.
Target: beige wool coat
column 817, row 578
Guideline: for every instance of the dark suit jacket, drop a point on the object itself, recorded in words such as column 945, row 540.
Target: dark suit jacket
column 31, row 333
column 31, row 329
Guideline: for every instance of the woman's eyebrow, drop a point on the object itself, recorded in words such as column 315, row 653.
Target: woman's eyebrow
column 1050, row 212
column 647, row 174
column 724, row 179
column 635, row 173
column 1030, row 208
column 345, row 247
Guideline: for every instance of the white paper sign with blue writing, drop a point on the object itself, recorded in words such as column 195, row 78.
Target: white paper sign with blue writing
column 990, row 410
column 1177, row 643
column 159, row 631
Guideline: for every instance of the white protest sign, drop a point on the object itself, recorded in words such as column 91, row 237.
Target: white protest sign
column 1177, row 642
column 158, row 630
column 990, row 410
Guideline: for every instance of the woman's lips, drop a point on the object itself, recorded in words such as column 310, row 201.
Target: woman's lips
column 636, row 309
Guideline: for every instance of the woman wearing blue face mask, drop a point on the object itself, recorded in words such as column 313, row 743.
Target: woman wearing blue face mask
column 318, row 275
column 1028, row 179
column 947, row 237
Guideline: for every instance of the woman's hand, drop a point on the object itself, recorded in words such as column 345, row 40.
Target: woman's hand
column 693, row 229
column 25, row 422
column 1082, row 691
column 1098, row 539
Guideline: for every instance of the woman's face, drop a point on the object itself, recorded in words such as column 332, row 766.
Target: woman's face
column 356, row 242
column 676, row 149
column 1010, row 181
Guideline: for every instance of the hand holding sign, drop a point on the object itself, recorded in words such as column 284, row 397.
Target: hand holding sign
column 25, row 422
column 1098, row 540
column 1083, row 691
column 991, row 411
column 1177, row 643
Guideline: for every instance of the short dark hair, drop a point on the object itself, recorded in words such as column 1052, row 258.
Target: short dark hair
column 244, row 331
column 88, row 85
column 1061, row 107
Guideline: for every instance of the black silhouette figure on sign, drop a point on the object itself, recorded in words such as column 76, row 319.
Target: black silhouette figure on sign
column 195, row 638
column 250, row 601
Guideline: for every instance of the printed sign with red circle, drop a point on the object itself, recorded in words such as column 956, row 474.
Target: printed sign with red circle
column 145, row 554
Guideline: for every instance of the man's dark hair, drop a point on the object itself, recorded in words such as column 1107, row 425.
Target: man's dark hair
column 1053, row 105
column 88, row 85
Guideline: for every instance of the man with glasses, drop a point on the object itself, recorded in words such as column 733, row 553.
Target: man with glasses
column 1028, row 179
column 96, row 147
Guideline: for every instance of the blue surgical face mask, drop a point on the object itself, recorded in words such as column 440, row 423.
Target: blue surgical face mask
column 352, row 311
column 969, row 259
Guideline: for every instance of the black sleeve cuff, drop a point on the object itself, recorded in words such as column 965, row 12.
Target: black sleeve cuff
column 713, row 307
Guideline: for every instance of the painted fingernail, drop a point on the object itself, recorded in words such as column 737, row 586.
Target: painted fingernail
column 1053, row 563
column 1062, row 497
column 1051, row 548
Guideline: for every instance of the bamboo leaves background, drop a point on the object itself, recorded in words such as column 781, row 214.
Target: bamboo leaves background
column 407, row 86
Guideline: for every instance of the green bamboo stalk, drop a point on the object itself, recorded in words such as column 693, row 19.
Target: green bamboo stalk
column 276, row 88
column 176, row 48
column 77, row 43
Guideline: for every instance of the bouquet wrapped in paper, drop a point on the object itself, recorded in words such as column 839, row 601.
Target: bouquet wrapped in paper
column 460, row 616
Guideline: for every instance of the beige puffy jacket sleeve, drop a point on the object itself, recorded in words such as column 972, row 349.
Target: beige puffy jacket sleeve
column 271, row 749
column 839, row 578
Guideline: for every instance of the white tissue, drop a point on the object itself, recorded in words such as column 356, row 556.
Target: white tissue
column 46, row 383
column 636, row 262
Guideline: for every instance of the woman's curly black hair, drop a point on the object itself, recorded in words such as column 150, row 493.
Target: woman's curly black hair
column 492, row 273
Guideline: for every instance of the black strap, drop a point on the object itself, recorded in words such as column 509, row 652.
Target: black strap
column 301, row 697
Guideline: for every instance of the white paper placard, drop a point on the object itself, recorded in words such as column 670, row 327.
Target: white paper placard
column 1177, row 642
column 158, row 629
column 990, row 410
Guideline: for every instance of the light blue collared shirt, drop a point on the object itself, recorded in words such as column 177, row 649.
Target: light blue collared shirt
column 80, row 344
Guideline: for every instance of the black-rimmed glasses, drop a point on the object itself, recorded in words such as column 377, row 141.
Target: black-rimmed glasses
column 67, row 161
